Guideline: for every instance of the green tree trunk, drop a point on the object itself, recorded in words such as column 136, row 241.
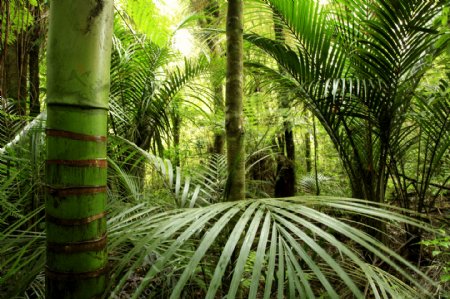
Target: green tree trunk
column 77, row 104
column 234, row 125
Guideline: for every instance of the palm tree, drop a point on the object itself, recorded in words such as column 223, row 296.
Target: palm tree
column 356, row 66
column 425, row 139
column 77, row 110
column 234, row 103
column 144, row 84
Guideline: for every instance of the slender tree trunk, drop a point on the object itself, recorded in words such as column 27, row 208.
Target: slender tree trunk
column 33, row 65
column 219, row 135
column 34, row 103
column 307, row 139
column 176, row 122
column 285, row 184
column 234, row 103
column 15, row 75
column 216, row 82
column 13, row 88
column 212, row 15
column 316, row 156
column 234, row 125
column 77, row 105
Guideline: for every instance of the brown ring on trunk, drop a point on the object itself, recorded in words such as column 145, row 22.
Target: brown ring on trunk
column 72, row 275
column 100, row 163
column 73, row 191
column 75, row 247
column 74, row 222
column 74, row 136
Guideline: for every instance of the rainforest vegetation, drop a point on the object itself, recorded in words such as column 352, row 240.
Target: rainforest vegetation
column 224, row 149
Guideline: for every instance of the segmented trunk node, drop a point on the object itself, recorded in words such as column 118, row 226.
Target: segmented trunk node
column 79, row 53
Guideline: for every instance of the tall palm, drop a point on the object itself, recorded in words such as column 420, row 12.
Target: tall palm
column 77, row 110
column 234, row 122
column 356, row 65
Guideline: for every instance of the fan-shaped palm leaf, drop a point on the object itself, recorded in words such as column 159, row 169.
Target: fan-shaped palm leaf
column 297, row 250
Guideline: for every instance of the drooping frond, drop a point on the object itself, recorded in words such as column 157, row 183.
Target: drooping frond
column 292, row 248
column 186, row 192
column 141, row 91
column 356, row 66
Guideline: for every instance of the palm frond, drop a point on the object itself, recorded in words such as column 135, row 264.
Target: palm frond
column 141, row 92
column 186, row 194
column 297, row 247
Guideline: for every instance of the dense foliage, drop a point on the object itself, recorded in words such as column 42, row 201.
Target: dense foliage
column 360, row 87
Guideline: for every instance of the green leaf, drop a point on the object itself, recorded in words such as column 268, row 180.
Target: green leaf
column 445, row 278
column 436, row 252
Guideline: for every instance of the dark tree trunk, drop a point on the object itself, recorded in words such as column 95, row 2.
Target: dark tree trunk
column 14, row 85
column 316, row 156
column 13, row 93
column 176, row 137
column 35, row 38
column 285, row 184
column 219, row 135
column 308, row 152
